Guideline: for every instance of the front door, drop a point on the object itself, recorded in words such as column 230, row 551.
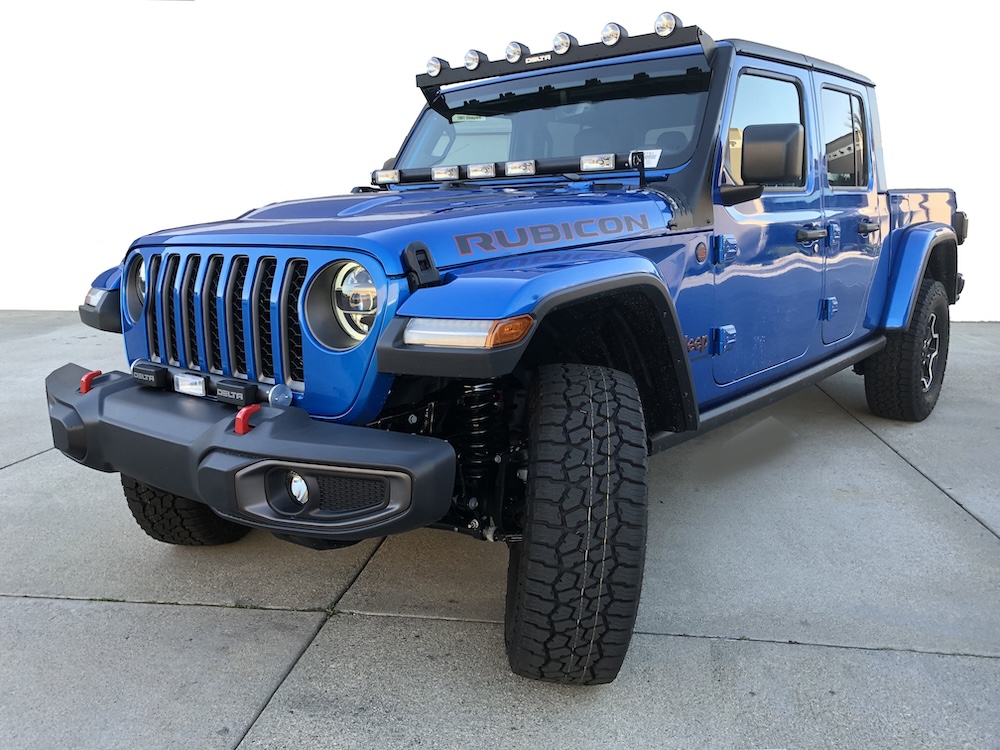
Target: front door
column 768, row 277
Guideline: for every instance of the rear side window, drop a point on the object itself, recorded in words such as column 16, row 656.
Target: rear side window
column 759, row 101
column 844, row 139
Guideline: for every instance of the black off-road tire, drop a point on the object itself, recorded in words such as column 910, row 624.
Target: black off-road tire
column 903, row 381
column 573, row 582
column 177, row 520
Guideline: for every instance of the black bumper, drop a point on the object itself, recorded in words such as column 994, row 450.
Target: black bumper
column 362, row 482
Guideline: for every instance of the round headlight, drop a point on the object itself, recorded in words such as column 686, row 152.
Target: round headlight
column 140, row 282
column 434, row 66
column 355, row 300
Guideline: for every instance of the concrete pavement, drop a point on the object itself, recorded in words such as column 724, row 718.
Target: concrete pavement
column 816, row 578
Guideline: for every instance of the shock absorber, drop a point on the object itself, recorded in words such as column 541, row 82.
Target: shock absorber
column 482, row 430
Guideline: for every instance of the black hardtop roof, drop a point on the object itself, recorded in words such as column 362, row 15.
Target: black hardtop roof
column 763, row 51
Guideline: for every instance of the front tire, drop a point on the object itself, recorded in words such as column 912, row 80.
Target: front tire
column 177, row 520
column 573, row 582
column 903, row 381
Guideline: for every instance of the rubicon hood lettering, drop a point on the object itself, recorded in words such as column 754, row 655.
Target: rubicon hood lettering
column 546, row 234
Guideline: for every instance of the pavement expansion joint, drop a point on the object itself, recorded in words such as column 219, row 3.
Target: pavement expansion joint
column 913, row 466
column 809, row 644
column 26, row 458
column 154, row 603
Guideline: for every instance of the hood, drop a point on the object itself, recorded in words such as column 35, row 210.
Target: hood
column 459, row 225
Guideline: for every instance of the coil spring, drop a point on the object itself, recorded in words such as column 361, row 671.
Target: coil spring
column 482, row 429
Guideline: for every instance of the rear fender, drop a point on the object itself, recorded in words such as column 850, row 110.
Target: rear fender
column 911, row 256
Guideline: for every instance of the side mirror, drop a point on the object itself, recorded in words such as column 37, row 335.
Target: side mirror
column 390, row 163
column 773, row 154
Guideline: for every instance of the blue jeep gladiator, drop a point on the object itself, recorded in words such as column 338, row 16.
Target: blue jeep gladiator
column 577, row 259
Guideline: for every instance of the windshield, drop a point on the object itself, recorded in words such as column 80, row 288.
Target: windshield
column 654, row 105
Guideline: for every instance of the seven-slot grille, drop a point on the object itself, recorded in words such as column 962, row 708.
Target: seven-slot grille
column 237, row 315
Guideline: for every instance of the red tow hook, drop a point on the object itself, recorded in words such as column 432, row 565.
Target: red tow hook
column 86, row 382
column 243, row 418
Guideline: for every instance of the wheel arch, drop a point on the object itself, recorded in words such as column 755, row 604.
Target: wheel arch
column 928, row 250
column 630, row 326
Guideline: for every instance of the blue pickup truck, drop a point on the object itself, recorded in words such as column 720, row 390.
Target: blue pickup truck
column 577, row 258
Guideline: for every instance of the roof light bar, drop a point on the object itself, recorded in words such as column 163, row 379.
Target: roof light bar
column 435, row 65
column 668, row 33
column 515, row 51
column 612, row 33
column 473, row 58
column 563, row 42
column 666, row 24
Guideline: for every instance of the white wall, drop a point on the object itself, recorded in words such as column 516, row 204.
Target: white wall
column 121, row 117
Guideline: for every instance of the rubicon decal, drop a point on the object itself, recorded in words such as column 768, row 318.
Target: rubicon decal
column 546, row 234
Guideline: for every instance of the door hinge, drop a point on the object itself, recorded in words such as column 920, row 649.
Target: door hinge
column 829, row 308
column 724, row 249
column 723, row 339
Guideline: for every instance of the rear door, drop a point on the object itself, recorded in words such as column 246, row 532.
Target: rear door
column 852, row 208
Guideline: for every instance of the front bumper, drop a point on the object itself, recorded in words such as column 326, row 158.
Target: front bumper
column 362, row 482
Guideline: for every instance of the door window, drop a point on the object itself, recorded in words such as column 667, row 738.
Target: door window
column 760, row 100
column 843, row 135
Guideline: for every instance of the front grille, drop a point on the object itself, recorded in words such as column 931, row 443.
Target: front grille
column 345, row 494
column 198, row 319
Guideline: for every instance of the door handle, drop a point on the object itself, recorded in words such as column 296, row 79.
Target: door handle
column 867, row 227
column 808, row 234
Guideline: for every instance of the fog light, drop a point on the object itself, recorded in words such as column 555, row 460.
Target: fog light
column 298, row 488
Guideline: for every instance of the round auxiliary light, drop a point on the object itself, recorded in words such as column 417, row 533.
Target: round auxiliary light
column 355, row 300
column 562, row 43
column 612, row 34
column 515, row 51
column 473, row 57
column 666, row 23
column 298, row 488
column 434, row 66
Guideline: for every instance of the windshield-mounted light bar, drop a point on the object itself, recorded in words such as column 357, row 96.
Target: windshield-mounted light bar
column 597, row 163
column 481, row 171
column 444, row 173
column 386, row 176
column 668, row 33
column 519, row 168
